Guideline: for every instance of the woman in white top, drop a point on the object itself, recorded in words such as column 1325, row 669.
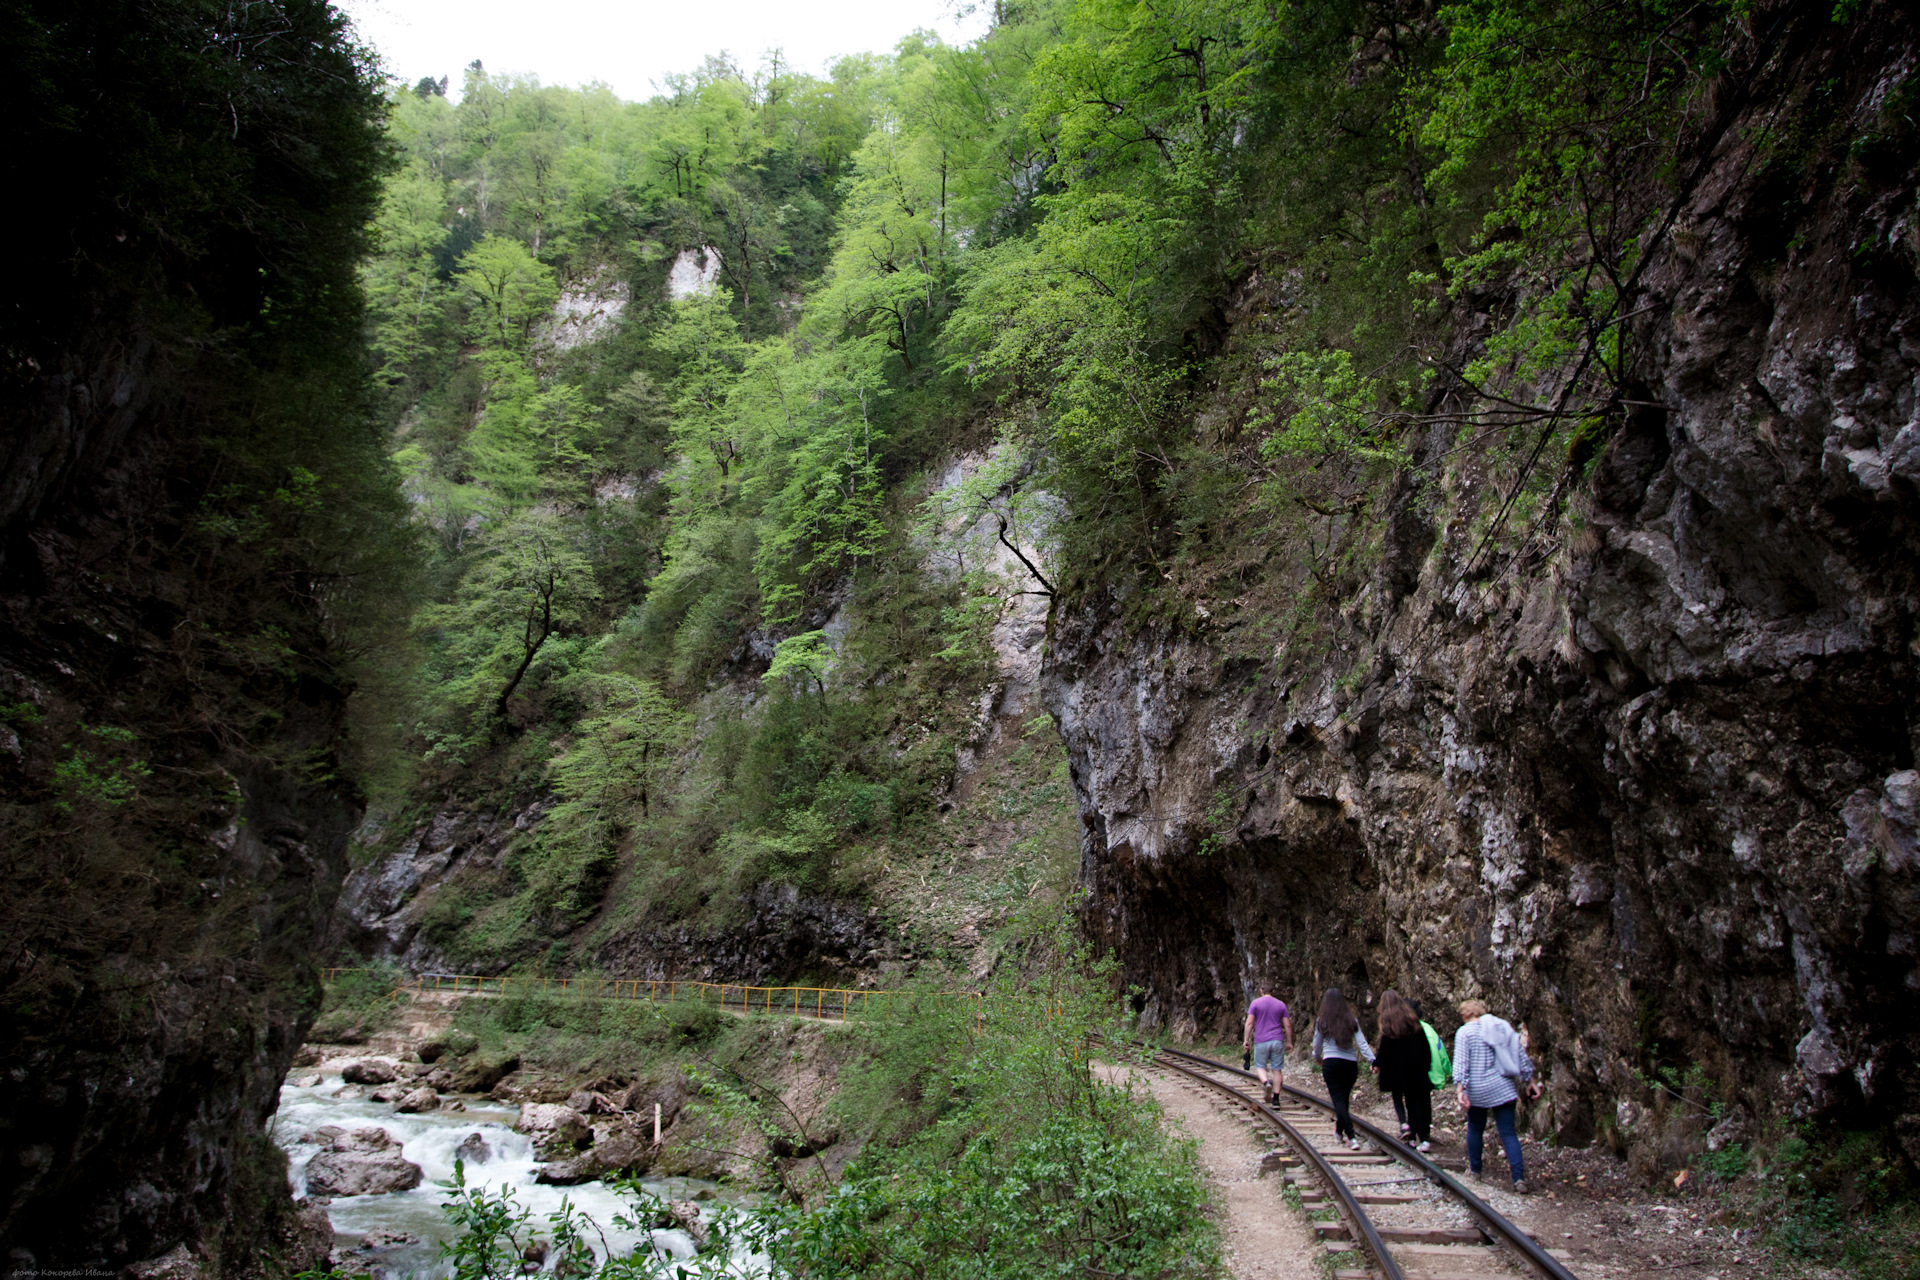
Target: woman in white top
column 1339, row 1044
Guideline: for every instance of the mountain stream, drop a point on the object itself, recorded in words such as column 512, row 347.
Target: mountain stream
column 408, row 1227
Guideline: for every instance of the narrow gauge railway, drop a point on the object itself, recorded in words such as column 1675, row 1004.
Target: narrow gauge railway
column 1425, row 1239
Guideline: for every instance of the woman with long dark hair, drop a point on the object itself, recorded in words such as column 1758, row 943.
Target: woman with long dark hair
column 1339, row 1044
column 1403, row 1063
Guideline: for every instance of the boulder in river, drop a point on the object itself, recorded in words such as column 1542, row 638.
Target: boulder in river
column 473, row 1149
column 687, row 1214
column 556, row 1131
column 370, row 1071
column 621, row 1150
column 366, row 1162
column 421, row 1099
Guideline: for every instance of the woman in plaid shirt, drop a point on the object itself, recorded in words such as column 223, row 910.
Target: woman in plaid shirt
column 1490, row 1065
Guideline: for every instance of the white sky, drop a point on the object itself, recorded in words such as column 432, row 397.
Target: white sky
column 631, row 44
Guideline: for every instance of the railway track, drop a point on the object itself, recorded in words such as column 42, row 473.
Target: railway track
column 1429, row 1227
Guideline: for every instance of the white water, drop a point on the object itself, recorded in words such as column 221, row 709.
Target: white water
column 429, row 1141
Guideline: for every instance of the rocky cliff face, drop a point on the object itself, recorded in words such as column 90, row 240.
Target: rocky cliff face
column 170, row 871
column 1646, row 785
column 180, row 410
column 388, row 910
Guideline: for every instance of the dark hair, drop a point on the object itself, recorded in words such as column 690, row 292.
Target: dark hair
column 1396, row 1016
column 1336, row 1021
column 1415, row 1006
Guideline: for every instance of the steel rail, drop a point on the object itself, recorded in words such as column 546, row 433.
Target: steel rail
column 1356, row 1216
column 1522, row 1243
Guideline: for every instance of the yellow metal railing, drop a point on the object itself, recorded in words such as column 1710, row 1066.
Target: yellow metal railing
column 813, row 1002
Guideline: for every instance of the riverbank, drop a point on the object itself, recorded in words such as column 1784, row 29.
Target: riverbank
column 553, row 1099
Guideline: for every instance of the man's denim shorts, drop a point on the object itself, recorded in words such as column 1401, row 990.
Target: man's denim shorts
column 1271, row 1054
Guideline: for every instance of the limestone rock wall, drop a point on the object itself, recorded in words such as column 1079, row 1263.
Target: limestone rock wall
column 1647, row 785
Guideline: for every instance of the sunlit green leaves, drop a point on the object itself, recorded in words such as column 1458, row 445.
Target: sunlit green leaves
column 1324, row 408
column 510, row 288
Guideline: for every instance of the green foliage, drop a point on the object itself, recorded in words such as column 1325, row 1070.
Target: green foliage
column 991, row 1146
column 1192, row 268
column 801, row 661
column 1731, row 1161
column 1334, row 410
column 92, row 777
column 1842, row 1201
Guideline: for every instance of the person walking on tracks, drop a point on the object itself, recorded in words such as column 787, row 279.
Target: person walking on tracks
column 1339, row 1044
column 1491, row 1066
column 1403, row 1061
column 1268, row 1036
column 1440, row 1066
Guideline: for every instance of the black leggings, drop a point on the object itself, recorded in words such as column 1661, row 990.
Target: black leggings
column 1416, row 1112
column 1340, row 1073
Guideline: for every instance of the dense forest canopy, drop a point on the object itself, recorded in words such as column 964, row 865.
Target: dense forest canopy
column 666, row 379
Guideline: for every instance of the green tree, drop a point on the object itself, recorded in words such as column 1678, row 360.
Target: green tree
column 510, row 290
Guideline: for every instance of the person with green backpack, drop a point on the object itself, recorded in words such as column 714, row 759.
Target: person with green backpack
column 1442, row 1071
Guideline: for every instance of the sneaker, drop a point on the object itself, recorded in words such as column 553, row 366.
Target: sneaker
column 1425, row 1146
column 1406, row 1131
column 1520, row 1187
column 1476, row 1175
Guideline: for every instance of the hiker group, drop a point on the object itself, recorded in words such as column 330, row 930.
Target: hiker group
column 1488, row 1066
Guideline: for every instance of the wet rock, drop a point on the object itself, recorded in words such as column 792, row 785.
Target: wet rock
column 422, row 1099
column 440, row 1080
column 309, row 1241
column 312, row 1080
column 306, row 1056
column 386, row 1095
column 370, row 1071
column 686, row 1215
column 556, row 1131
column 385, row 1238
column 624, row 1149
column 366, row 1162
column 473, row 1149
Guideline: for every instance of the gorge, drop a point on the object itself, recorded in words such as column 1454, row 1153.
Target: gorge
column 1155, row 498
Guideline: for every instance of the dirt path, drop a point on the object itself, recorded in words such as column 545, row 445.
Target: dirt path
column 1262, row 1238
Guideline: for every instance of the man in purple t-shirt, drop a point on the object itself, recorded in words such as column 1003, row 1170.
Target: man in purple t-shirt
column 1269, row 1034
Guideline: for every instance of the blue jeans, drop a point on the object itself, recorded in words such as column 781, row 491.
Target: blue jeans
column 1477, row 1132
